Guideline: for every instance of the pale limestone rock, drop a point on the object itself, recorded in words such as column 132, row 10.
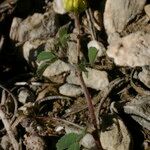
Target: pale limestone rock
column 70, row 90
column 139, row 109
column 30, row 50
column 132, row 50
column 96, row 79
column 72, row 49
column 118, row 13
column 34, row 142
column 34, row 27
column 56, row 68
column 59, row 7
column 99, row 46
column 147, row 10
column 144, row 76
column 88, row 142
column 116, row 135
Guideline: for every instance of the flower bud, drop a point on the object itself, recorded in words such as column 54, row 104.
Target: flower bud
column 76, row 6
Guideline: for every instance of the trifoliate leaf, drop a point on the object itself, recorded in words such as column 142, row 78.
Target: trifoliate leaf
column 45, row 56
column 67, row 141
column 92, row 53
column 75, row 146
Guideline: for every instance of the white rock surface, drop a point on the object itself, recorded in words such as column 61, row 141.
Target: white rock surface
column 33, row 27
column 116, row 136
column 139, row 109
column 132, row 50
column 96, row 79
column 99, row 46
column 88, row 142
column 144, row 76
column 70, row 90
column 56, row 68
column 23, row 96
column 118, row 13
column 147, row 10
column 72, row 49
column 30, row 50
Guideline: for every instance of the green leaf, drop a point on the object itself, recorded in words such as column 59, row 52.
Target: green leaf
column 75, row 146
column 67, row 141
column 92, row 53
column 63, row 31
column 45, row 56
column 82, row 67
column 63, row 36
column 42, row 68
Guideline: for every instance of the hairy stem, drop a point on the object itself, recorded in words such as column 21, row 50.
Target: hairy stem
column 85, row 90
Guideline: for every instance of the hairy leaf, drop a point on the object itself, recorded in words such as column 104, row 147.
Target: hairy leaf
column 92, row 53
column 62, row 31
column 45, row 56
column 69, row 141
column 75, row 146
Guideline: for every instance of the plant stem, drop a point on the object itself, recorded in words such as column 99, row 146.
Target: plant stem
column 85, row 90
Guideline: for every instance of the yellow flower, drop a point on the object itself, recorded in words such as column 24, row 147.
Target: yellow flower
column 64, row 6
column 76, row 6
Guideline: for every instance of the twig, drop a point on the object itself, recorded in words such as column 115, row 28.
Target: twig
column 106, row 93
column 7, row 126
column 15, row 102
column 51, row 98
column 91, row 21
column 138, row 89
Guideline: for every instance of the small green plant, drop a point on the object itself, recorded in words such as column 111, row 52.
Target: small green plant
column 70, row 141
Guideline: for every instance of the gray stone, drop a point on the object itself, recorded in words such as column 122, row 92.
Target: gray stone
column 96, row 79
column 144, row 76
column 114, row 135
column 36, row 26
column 147, row 10
column 56, row 68
column 70, row 90
column 118, row 13
column 132, row 50
column 139, row 109
column 99, row 46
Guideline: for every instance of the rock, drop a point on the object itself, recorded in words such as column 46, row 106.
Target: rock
column 144, row 76
column 72, row 49
column 139, row 109
column 96, row 79
column 6, row 143
column 114, row 135
column 88, row 142
column 118, row 13
column 25, row 95
column 147, row 10
column 99, row 46
column 56, row 68
column 70, row 90
column 31, row 50
column 58, row 7
column 34, row 142
column 34, row 27
column 132, row 50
